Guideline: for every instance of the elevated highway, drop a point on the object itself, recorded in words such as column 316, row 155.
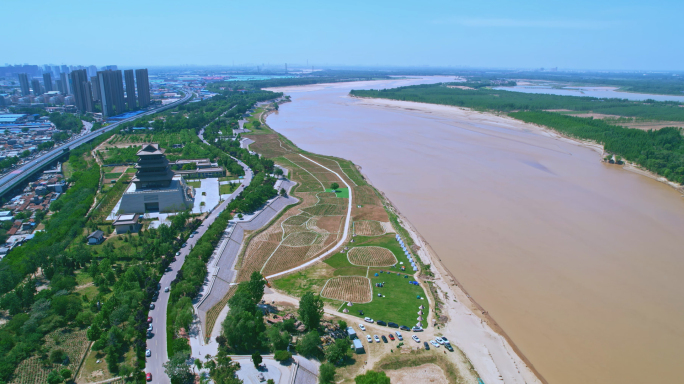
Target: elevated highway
column 21, row 173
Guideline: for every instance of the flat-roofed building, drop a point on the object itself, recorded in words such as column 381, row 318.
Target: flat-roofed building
column 130, row 89
column 127, row 223
column 143, row 83
column 47, row 82
column 24, row 84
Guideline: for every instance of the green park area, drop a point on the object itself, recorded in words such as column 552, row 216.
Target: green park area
column 399, row 302
column 339, row 192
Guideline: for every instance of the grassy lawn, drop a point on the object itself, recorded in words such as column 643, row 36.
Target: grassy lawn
column 400, row 304
column 228, row 178
column 228, row 188
column 131, row 170
column 195, row 184
column 67, row 169
column 112, row 175
column 339, row 192
column 107, row 169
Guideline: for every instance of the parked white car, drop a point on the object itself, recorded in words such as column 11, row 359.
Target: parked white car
column 368, row 320
column 415, row 338
column 377, row 339
column 399, row 335
column 439, row 340
column 369, row 338
column 434, row 343
column 148, row 353
column 362, row 327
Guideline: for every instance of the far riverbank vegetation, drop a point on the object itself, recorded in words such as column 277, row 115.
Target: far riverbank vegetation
column 659, row 151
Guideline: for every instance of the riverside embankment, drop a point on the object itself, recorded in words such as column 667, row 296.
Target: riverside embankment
column 578, row 261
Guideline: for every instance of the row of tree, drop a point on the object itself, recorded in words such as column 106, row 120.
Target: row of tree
column 507, row 101
column 660, row 151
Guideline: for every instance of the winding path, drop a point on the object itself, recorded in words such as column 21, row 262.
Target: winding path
column 343, row 239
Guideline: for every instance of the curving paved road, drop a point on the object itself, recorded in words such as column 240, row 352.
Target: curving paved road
column 16, row 175
column 339, row 243
column 157, row 343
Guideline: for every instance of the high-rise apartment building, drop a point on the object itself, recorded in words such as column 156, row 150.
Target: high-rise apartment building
column 130, row 89
column 47, row 82
column 89, row 103
column 95, row 84
column 60, row 86
column 112, row 93
column 66, row 87
column 64, row 69
column 92, row 71
column 55, row 72
column 24, row 84
column 83, row 96
column 143, row 83
column 37, row 89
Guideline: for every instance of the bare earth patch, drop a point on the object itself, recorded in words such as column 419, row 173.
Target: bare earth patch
column 426, row 373
column 369, row 212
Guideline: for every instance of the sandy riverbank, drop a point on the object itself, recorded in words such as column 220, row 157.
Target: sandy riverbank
column 490, row 350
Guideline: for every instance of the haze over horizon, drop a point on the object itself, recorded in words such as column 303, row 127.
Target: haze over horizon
column 607, row 35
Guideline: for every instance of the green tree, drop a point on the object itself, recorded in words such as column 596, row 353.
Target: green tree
column 279, row 339
column 223, row 369
column 282, row 356
column 326, row 374
column 342, row 324
column 255, row 286
column 198, row 364
column 311, row 310
column 338, row 352
column 65, row 373
column 372, row 377
column 257, row 359
column 54, row 378
column 334, row 186
column 178, row 370
column 310, row 344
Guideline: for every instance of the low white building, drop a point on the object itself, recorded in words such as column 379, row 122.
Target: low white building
column 127, row 223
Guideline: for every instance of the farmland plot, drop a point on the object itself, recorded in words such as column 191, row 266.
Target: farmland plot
column 355, row 289
column 33, row 370
column 368, row 228
column 285, row 257
column 299, row 239
column 371, row 256
column 327, row 209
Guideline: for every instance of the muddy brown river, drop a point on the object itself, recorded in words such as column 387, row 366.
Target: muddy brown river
column 580, row 262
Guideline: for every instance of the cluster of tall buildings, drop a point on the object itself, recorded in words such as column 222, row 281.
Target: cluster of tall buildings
column 116, row 91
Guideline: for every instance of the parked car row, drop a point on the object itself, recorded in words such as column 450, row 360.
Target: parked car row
column 437, row 342
column 392, row 325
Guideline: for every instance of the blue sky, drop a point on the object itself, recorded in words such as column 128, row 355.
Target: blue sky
column 578, row 34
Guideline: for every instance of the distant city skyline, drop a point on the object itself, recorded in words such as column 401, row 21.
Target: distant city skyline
column 605, row 35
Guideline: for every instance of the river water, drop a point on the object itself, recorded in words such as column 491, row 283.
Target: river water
column 600, row 92
column 579, row 261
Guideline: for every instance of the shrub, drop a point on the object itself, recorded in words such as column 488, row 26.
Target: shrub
column 282, row 356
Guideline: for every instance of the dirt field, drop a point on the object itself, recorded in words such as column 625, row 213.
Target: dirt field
column 368, row 228
column 426, row 373
column 369, row 212
column 371, row 257
column 356, row 289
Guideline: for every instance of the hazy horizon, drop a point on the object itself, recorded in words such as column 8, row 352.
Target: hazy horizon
column 584, row 35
